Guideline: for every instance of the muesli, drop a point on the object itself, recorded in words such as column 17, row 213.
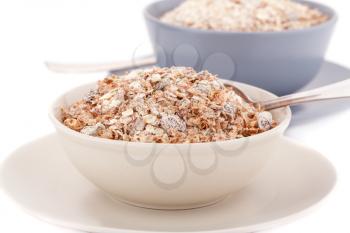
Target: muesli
column 244, row 15
column 165, row 105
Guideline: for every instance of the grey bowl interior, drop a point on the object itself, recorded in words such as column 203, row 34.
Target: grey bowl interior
column 281, row 62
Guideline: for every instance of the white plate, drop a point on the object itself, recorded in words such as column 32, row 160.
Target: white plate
column 39, row 178
column 329, row 73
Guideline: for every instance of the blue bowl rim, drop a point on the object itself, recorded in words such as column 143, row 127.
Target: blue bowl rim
column 322, row 7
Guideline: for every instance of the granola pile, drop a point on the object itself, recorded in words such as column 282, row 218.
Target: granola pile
column 244, row 15
column 165, row 105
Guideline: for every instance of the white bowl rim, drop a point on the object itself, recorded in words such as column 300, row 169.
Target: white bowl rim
column 281, row 127
column 333, row 18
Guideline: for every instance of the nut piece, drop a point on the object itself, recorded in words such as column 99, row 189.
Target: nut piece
column 139, row 124
column 155, row 78
column 173, row 122
column 229, row 109
column 128, row 112
column 92, row 130
column 90, row 97
column 150, row 119
column 265, row 120
column 73, row 124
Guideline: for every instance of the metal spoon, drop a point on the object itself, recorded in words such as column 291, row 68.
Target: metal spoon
column 104, row 67
column 339, row 90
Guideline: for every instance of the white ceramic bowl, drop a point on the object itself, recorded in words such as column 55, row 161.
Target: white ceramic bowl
column 169, row 176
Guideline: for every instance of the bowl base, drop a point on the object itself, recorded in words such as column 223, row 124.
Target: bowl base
column 168, row 207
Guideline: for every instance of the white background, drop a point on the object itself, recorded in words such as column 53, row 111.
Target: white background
column 105, row 30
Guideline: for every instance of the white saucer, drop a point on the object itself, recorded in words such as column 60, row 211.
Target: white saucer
column 40, row 179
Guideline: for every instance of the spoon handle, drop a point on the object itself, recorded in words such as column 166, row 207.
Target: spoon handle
column 337, row 90
column 88, row 68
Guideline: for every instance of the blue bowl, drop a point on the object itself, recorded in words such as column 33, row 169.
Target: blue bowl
column 280, row 62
